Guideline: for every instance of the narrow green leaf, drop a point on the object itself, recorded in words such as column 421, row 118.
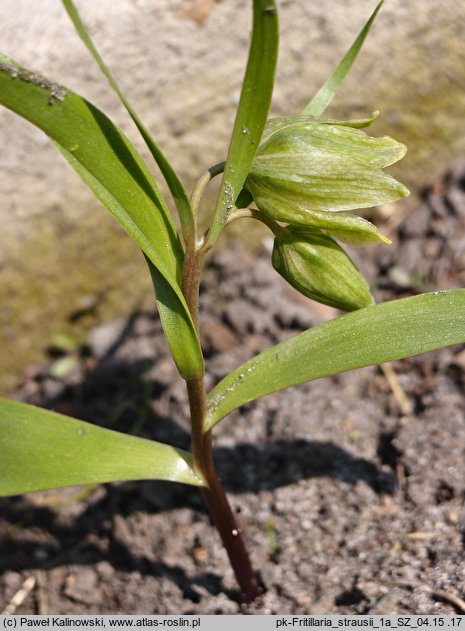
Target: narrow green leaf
column 328, row 90
column 93, row 144
column 44, row 450
column 174, row 314
column 374, row 335
column 254, row 104
column 177, row 190
column 182, row 339
column 134, row 223
column 108, row 163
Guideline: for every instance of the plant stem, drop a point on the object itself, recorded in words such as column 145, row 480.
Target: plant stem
column 202, row 454
column 199, row 188
column 215, row 497
column 251, row 213
column 230, row 534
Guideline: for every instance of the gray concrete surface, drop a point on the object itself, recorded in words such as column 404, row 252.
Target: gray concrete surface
column 181, row 62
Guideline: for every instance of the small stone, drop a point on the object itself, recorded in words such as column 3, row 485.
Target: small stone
column 81, row 587
column 200, row 555
column 105, row 569
column 303, row 599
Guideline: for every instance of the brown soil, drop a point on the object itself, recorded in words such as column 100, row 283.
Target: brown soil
column 348, row 503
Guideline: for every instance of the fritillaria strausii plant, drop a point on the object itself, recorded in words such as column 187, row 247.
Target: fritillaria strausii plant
column 302, row 176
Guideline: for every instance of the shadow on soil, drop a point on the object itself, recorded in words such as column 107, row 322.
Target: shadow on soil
column 263, row 468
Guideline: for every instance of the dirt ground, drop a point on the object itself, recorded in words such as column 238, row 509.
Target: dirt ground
column 350, row 495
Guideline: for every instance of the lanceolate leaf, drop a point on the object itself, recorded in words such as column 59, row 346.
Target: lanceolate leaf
column 374, row 335
column 326, row 93
column 111, row 167
column 44, row 450
column 175, row 186
column 253, row 108
column 183, row 342
column 91, row 142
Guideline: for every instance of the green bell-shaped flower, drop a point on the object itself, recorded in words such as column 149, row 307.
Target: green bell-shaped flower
column 319, row 268
column 310, row 173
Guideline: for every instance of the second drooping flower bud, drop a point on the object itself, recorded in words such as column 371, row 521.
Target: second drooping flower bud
column 315, row 265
